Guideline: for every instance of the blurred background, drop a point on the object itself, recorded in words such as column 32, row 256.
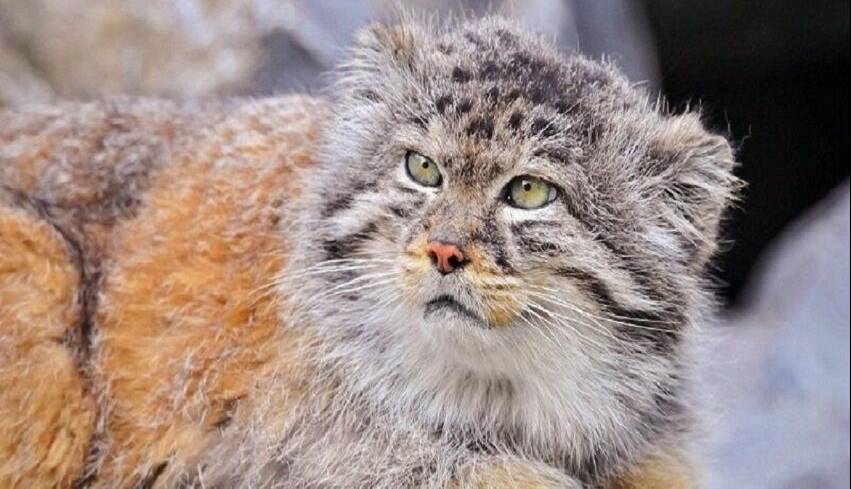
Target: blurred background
column 773, row 76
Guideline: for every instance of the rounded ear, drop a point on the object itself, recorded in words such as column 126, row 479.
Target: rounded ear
column 695, row 168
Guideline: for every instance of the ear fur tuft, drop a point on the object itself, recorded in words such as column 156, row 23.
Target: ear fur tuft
column 698, row 182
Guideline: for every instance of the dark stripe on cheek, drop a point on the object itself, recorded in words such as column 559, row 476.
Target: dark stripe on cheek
column 337, row 205
column 526, row 226
column 539, row 246
column 657, row 328
column 344, row 201
column 652, row 287
column 590, row 285
column 610, row 245
column 344, row 247
column 529, row 236
column 490, row 236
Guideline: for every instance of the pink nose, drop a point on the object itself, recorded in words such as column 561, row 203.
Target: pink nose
column 446, row 257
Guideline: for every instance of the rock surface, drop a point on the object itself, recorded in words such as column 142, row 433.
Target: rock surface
column 200, row 48
column 781, row 373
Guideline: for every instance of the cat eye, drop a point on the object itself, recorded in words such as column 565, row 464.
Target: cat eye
column 528, row 192
column 422, row 170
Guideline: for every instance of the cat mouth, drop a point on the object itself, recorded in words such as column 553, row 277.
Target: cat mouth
column 447, row 303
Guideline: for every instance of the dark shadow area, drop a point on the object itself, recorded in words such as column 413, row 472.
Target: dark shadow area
column 775, row 77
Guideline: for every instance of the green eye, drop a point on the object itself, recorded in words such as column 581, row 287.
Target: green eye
column 527, row 192
column 422, row 170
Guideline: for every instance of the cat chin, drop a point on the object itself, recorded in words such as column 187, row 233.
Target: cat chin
column 465, row 346
column 455, row 320
column 446, row 371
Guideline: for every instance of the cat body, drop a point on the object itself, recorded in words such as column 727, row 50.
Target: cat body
column 480, row 264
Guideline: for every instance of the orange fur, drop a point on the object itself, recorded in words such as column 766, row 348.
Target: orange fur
column 500, row 474
column 177, row 210
column 89, row 162
column 188, row 318
column 662, row 472
column 503, row 306
column 46, row 416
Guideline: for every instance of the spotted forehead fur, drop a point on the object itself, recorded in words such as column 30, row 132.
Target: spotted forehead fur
column 489, row 85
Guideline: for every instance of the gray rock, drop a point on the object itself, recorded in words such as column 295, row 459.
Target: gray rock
column 208, row 48
column 616, row 29
column 781, row 373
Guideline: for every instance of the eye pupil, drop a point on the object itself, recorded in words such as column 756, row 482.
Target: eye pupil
column 529, row 192
column 422, row 170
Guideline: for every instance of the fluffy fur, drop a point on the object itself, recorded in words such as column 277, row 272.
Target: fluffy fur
column 254, row 291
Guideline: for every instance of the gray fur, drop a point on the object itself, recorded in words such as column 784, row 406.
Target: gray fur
column 593, row 374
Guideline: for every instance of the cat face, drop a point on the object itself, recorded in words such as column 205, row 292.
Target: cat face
column 484, row 205
column 549, row 180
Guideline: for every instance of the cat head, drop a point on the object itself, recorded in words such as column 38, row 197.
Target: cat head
column 485, row 208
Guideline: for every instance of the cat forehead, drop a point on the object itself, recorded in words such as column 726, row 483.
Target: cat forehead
column 490, row 87
column 484, row 55
column 483, row 92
